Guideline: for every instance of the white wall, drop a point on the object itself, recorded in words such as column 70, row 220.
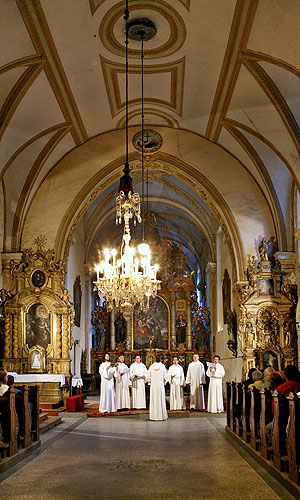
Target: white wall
column 233, row 366
column 75, row 267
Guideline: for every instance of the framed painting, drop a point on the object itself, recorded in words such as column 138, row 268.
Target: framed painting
column 77, row 300
column 270, row 359
column 37, row 321
column 265, row 286
column 151, row 327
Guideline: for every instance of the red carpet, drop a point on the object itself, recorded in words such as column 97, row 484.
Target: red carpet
column 92, row 409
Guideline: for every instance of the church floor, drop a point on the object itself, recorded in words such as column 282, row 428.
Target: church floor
column 131, row 458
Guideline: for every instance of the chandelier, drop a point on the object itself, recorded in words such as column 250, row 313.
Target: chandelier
column 129, row 280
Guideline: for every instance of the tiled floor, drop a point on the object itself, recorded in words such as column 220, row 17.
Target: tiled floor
column 133, row 458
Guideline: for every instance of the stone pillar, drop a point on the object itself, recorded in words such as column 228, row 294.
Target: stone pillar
column 189, row 326
column 211, row 269
column 112, row 331
column 128, row 332
column 88, row 339
column 173, row 323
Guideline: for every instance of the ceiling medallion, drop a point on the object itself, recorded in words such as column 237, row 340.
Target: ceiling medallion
column 143, row 25
column 152, row 141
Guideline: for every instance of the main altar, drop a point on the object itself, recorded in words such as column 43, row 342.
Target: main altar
column 173, row 325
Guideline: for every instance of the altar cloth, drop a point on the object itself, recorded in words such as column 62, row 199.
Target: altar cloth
column 39, row 377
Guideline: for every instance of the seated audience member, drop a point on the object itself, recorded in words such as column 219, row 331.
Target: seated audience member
column 275, row 380
column 292, row 384
column 3, row 381
column 257, row 377
column 249, row 380
column 265, row 383
column 10, row 383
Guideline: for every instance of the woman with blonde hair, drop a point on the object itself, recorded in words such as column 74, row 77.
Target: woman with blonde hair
column 3, row 381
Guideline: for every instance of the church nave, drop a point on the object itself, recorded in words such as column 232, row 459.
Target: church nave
column 127, row 458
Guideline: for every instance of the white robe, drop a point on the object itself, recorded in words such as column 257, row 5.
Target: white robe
column 122, row 386
column 157, row 378
column 176, row 379
column 137, row 372
column 107, row 394
column 215, row 393
column 196, row 377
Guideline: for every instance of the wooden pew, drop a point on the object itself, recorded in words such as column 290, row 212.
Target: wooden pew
column 293, row 438
column 34, row 399
column 9, row 421
column 266, row 418
column 238, row 409
column 255, row 411
column 246, row 414
column 280, row 420
column 24, row 417
column 228, row 403
column 232, row 406
column 3, row 445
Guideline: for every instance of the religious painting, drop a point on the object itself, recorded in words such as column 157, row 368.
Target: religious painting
column 270, row 359
column 38, row 278
column 151, row 327
column 77, row 301
column 38, row 326
column 226, row 295
column 265, row 286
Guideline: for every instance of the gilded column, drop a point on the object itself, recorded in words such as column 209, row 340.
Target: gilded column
column 7, row 337
column 112, row 331
column 128, row 332
column 58, row 336
column 15, row 343
column 189, row 327
column 173, row 323
column 65, row 336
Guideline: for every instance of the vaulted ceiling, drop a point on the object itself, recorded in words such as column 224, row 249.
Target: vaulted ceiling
column 221, row 89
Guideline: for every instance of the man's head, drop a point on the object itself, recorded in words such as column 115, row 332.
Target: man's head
column 3, row 376
column 121, row 359
column 175, row 360
column 138, row 358
column 106, row 357
column 217, row 359
column 292, row 373
column 267, row 373
column 196, row 357
column 10, row 380
column 257, row 375
column 158, row 360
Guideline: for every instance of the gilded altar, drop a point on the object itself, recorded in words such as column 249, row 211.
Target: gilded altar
column 267, row 320
column 37, row 316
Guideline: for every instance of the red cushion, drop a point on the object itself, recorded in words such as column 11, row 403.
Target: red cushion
column 75, row 403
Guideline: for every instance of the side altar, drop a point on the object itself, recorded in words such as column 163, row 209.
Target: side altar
column 174, row 324
column 37, row 321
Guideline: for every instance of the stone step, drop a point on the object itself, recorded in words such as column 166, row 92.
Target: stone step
column 49, row 423
column 42, row 417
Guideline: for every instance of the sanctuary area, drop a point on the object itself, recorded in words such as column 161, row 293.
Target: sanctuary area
column 150, row 208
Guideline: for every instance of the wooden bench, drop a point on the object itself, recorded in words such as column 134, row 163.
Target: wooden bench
column 9, row 421
column 232, row 406
column 255, row 411
column 228, row 402
column 238, row 409
column 280, row 420
column 246, row 414
column 293, row 438
column 266, row 418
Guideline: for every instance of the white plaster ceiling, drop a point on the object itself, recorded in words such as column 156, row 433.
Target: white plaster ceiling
column 221, row 87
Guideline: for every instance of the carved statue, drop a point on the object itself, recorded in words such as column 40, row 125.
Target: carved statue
column 249, row 335
column 263, row 250
column 66, row 297
column 231, row 325
column 181, row 325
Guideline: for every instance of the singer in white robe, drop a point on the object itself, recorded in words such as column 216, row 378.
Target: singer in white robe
column 122, row 384
column 157, row 377
column 107, row 394
column 138, row 375
column 215, row 392
column 196, row 378
column 176, row 379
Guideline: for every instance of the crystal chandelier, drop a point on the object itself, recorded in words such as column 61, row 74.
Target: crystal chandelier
column 129, row 280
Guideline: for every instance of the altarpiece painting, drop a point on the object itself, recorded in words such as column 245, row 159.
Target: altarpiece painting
column 151, row 327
